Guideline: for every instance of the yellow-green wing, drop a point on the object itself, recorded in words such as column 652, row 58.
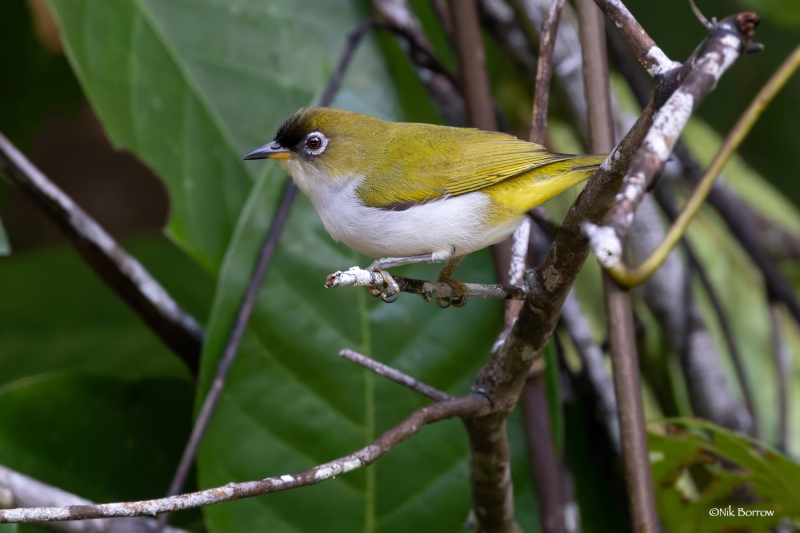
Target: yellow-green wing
column 421, row 163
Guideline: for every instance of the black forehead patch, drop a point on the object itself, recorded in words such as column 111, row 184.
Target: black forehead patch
column 292, row 131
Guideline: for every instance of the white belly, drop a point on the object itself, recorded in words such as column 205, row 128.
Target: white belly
column 445, row 228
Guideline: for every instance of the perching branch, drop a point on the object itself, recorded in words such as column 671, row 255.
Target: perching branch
column 472, row 405
column 121, row 271
column 395, row 375
column 358, row 277
column 20, row 490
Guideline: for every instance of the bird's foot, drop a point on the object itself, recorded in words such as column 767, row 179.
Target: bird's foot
column 390, row 287
column 460, row 289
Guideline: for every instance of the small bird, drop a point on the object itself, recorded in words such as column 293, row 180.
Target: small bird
column 409, row 193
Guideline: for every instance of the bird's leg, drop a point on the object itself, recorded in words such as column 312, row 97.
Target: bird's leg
column 460, row 288
column 380, row 265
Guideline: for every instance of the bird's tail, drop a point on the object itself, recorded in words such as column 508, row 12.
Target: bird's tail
column 528, row 190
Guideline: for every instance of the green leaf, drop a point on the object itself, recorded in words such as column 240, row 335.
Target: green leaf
column 90, row 400
column 57, row 315
column 728, row 470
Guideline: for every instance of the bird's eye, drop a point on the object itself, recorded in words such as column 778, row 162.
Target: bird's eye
column 316, row 142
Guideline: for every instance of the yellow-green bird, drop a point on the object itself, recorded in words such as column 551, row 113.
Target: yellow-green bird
column 409, row 193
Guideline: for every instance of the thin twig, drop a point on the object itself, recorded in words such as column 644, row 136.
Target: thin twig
column 472, row 65
column 395, row 375
column 601, row 386
column 249, row 299
column 545, row 463
column 649, row 54
column 783, row 375
column 122, row 272
column 544, row 72
column 23, row 491
column 467, row 406
column 619, row 309
column 492, row 491
column 358, row 277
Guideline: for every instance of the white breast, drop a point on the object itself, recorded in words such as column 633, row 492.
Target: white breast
column 445, row 228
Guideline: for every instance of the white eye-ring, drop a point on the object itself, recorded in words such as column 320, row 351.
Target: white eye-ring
column 316, row 143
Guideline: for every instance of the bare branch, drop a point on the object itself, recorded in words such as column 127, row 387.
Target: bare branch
column 395, row 375
column 602, row 387
column 650, row 55
column 726, row 42
column 122, row 272
column 472, row 65
column 358, row 277
column 473, row 405
column 619, row 309
column 544, row 72
column 24, row 491
column 632, row 277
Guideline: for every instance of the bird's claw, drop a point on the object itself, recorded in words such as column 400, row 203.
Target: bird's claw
column 390, row 288
column 460, row 289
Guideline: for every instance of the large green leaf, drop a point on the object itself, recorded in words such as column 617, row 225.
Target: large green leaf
column 757, row 486
column 90, row 400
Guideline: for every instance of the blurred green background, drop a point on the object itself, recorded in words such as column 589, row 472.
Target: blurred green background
column 67, row 345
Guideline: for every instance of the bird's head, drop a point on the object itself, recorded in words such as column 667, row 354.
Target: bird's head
column 321, row 144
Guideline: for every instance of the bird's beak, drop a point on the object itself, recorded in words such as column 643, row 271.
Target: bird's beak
column 272, row 150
